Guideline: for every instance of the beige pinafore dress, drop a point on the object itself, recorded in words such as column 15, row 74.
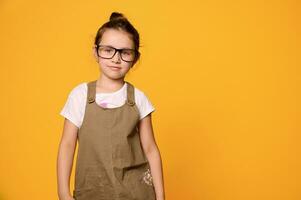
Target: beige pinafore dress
column 111, row 164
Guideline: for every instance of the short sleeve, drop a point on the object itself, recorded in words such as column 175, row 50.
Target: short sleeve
column 144, row 104
column 72, row 110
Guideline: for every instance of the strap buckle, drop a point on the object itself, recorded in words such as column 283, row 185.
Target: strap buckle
column 91, row 100
column 130, row 102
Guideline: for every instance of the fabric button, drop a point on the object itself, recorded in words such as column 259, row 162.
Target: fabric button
column 130, row 102
column 90, row 99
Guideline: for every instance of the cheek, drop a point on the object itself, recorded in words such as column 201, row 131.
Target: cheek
column 103, row 63
column 106, row 62
column 126, row 65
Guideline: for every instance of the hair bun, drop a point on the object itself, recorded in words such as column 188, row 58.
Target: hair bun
column 116, row 15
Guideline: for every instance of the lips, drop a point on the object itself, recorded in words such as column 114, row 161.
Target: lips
column 115, row 68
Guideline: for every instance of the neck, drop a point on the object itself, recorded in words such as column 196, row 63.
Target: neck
column 109, row 85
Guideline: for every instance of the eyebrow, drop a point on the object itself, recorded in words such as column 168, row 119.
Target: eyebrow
column 116, row 48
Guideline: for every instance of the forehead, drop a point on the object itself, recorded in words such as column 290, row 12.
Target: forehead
column 117, row 39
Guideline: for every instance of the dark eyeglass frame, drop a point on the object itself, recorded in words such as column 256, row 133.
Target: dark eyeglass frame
column 117, row 50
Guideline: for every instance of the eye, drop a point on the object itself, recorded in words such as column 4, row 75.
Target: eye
column 126, row 53
column 108, row 50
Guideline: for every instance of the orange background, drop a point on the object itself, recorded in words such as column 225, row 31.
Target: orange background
column 222, row 75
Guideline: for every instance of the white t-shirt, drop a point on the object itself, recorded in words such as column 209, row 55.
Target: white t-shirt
column 74, row 108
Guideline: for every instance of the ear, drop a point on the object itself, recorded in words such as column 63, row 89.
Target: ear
column 94, row 52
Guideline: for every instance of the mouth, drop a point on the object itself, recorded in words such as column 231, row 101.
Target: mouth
column 115, row 68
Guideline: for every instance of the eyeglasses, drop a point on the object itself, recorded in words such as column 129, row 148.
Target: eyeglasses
column 108, row 52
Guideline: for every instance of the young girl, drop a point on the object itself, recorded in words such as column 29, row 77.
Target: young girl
column 118, row 158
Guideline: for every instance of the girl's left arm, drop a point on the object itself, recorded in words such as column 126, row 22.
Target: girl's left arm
column 153, row 155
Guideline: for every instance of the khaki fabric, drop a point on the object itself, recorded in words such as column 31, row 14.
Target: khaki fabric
column 111, row 164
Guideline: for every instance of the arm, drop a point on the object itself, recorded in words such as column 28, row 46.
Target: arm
column 65, row 159
column 153, row 155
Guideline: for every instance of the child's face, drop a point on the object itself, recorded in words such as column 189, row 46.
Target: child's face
column 119, row 40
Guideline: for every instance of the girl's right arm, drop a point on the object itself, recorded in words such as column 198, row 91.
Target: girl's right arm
column 65, row 159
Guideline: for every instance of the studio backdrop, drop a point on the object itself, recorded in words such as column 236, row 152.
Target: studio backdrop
column 223, row 77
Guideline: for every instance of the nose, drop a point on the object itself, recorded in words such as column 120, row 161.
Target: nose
column 116, row 58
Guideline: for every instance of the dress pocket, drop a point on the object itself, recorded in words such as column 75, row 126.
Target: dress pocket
column 93, row 181
column 140, row 182
column 96, row 176
column 82, row 194
column 96, row 184
column 91, row 194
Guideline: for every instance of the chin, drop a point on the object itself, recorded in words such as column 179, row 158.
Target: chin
column 116, row 77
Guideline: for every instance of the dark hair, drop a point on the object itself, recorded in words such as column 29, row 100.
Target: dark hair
column 119, row 22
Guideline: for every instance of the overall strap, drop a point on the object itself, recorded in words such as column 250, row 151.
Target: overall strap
column 130, row 94
column 91, row 91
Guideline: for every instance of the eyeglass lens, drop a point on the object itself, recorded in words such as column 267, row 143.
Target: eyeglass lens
column 109, row 52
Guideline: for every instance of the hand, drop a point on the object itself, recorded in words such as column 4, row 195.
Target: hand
column 160, row 198
column 68, row 198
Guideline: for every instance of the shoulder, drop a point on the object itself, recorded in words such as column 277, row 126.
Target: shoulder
column 75, row 104
column 143, row 102
column 78, row 90
column 140, row 95
column 78, row 95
